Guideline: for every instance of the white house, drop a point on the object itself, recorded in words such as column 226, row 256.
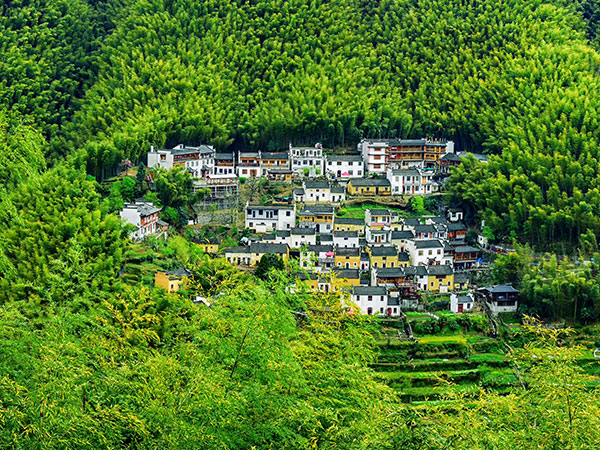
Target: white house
column 374, row 154
column 144, row 216
column 346, row 239
column 319, row 191
column 412, row 181
column 377, row 235
column 371, row 300
column 461, row 303
column 265, row 218
column 317, row 258
column 301, row 236
column 224, row 164
column 278, row 237
column 400, row 239
column 199, row 161
column 307, row 161
column 425, row 252
column 500, row 298
column 344, row 167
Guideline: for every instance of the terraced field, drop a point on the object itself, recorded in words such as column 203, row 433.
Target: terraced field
column 437, row 367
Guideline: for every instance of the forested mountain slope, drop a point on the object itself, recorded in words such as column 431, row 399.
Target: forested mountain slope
column 267, row 72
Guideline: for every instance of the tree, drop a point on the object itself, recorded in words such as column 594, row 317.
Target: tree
column 417, row 206
column 267, row 263
column 127, row 187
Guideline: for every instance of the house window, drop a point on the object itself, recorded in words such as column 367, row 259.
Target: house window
column 370, row 298
column 369, row 311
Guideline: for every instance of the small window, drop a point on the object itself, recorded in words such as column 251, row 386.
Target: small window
column 370, row 298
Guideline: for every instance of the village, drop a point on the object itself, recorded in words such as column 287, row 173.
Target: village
column 385, row 261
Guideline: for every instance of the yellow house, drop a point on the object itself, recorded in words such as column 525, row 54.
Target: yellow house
column 310, row 278
column 349, row 224
column 250, row 256
column 384, row 257
column 347, row 258
column 210, row 246
column 369, row 187
column 440, row 278
column 171, row 281
column 378, row 218
column 345, row 277
column 319, row 217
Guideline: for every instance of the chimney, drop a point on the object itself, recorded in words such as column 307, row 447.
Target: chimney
column 152, row 148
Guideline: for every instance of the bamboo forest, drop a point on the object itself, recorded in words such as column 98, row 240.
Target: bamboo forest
column 299, row 224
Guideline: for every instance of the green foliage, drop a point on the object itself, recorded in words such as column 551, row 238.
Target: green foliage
column 57, row 240
column 115, row 198
column 21, row 152
column 551, row 406
column 550, row 288
column 169, row 214
column 47, row 48
column 267, row 263
column 128, row 189
column 417, row 205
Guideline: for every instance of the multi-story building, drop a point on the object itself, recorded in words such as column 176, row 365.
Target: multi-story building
column 344, row 167
column 412, row 181
column 173, row 280
column 424, row 153
column 381, row 154
column 449, row 160
column 274, row 160
column 144, row 216
column 465, row 257
column 400, row 238
column 378, row 218
column 248, row 165
column 199, row 161
column 399, row 281
column 265, row 218
column 425, row 252
column 343, row 278
column 223, row 191
column 224, row 164
column 440, row 278
column 374, row 154
column 319, row 217
column 278, row 237
column 307, row 161
column 500, row 298
column 425, row 232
